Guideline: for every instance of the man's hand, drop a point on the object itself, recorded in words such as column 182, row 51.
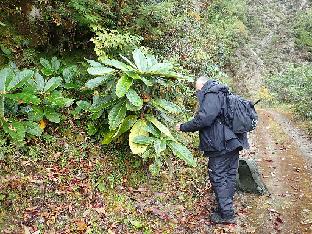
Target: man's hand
column 178, row 127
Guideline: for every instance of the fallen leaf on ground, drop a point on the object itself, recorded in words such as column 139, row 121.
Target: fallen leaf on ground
column 81, row 225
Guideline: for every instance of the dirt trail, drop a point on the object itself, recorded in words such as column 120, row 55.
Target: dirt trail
column 283, row 157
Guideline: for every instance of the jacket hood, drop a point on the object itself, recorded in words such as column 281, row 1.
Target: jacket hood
column 213, row 86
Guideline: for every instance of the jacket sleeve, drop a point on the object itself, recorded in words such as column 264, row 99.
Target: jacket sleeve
column 208, row 111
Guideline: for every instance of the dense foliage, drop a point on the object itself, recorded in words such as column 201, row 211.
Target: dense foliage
column 116, row 97
column 303, row 29
column 30, row 97
column 136, row 96
column 294, row 86
column 130, row 98
column 198, row 36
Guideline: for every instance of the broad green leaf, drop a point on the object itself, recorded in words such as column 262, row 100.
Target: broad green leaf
column 143, row 140
column 138, row 129
column 160, row 126
column 166, row 105
column 123, row 85
column 175, row 76
column 45, row 63
column 168, row 74
column 6, row 75
column 91, row 128
column 161, row 67
column 117, row 64
column 96, row 82
column 108, row 136
column 52, row 115
column 151, row 129
column 134, row 98
column 33, row 128
column 84, row 105
column 55, row 64
column 146, row 81
column 46, row 71
column 52, row 84
column 69, row 73
column 182, row 152
column 24, row 97
column 30, row 86
column 7, row 51
column 20, row 78
column 128, row 122
column 56, row 99
column 47, row 67
column 97, row 98
column 131, row 107
column 96, row 114
column 136, row 76
column 140, row 60
column 81, row 105
column 128, row 61
column 102, row 103
column 72, row 86
column 151, row 60
column 36, row 114
column 16, row 130
column 116, row 115
column 94, row 63
column 100, row 71
column 159, row 146
column 39, row 81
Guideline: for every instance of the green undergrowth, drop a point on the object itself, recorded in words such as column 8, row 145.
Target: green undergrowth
column 67, row 183
column 293, row 87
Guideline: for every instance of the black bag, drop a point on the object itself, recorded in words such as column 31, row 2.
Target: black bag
column 239, row 114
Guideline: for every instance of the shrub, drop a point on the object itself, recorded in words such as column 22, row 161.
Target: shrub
column 138, row 98
column 109, row 43
column 28, row 99
column 196, row 36
column 294, row 86
column 303, row 29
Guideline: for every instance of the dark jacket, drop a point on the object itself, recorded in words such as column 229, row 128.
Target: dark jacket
column 215, row 137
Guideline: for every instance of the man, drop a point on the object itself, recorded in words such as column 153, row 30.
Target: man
column 219, row 143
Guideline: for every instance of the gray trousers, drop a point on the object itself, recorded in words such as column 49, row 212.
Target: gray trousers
column 222, row 172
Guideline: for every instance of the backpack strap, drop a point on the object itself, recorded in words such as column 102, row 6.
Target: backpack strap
column 221, row 116
column 224, row 107
column 257, row 102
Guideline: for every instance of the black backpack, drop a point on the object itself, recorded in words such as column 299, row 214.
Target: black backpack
column 239, row 114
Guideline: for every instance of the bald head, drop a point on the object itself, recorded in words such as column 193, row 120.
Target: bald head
column 200, row 82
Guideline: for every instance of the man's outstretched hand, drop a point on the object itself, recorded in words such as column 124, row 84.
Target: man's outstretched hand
column 178, row 127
